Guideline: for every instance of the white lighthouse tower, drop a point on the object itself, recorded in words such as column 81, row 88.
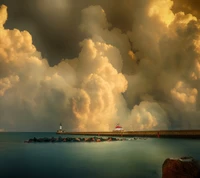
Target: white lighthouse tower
column 60, row 126
column 60, row 129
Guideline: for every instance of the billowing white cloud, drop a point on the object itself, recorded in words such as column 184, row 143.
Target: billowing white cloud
column 147, row 78
column 161, row 9
column 6, row 83
column 3, row 15
column 148, row 115
column 100, row 84
column 184, row 97
column 84, row 89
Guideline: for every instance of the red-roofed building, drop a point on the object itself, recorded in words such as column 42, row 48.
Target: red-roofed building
column 118, row 128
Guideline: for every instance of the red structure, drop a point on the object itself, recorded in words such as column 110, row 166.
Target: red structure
column 118, row 128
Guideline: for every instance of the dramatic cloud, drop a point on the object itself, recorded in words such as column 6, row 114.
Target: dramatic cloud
column 84, row 89
column 99, row 86
column 184, row 97
column 146, row 78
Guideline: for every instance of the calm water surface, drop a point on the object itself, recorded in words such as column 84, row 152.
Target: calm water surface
column 137, row 158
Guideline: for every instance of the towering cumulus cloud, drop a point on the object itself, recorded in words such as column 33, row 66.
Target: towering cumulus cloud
column 146, row 78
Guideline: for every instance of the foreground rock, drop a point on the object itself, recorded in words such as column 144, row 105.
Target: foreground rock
column 185, row 167
column 68, row 139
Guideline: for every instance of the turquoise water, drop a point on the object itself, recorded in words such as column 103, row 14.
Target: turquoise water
column 121, row 159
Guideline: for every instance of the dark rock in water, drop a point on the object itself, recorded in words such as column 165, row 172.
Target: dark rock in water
column 103, row 139
column 40, row 140
column 72, row 140
column 60, row 139
column 82, row 139
column 67, row 139
column 30, row 140
column 114, row 139
column 46, row 139
column 185, row 167
column 53, row 139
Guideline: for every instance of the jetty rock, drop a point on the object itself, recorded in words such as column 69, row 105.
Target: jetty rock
column 68, row 139
column 184, row 167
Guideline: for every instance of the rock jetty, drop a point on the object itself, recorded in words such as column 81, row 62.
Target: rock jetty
column 184, row 167
column 68, row 139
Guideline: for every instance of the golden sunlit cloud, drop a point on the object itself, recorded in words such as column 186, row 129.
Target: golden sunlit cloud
column 142, row 79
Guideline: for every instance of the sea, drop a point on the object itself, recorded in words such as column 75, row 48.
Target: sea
column 118, row 159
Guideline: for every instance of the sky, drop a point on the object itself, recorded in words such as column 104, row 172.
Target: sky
column 91, row 64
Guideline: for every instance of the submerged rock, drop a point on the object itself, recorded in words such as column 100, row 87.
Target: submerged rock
column 185, row 167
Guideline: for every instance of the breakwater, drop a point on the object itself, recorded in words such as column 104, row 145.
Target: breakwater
column 157, row 133
column 68, row 139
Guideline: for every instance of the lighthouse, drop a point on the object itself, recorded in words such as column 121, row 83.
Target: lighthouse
column 118, row 128
column 60, row 130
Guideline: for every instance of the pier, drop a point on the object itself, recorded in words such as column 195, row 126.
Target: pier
column 156, row 133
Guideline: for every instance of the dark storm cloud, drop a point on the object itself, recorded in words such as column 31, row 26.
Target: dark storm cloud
column 56, row 34
column 187, row 6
